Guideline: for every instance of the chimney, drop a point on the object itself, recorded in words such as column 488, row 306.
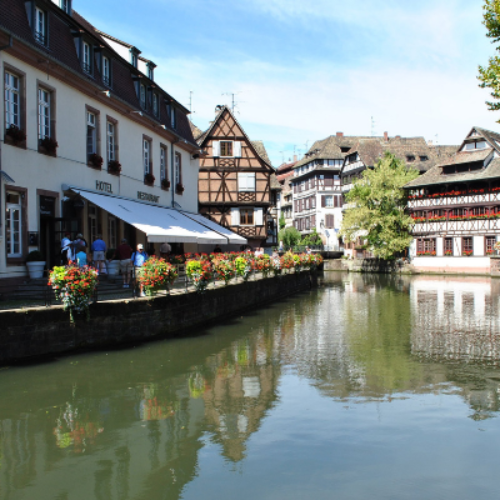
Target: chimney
column 429, row 143
column 398, row 137
column 340, row 134
column 386, row 136
column 294, row 158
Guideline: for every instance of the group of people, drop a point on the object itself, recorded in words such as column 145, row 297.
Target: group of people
column 76, row 251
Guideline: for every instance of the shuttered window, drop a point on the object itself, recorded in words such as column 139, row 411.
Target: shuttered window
column 246, row 182
column 329, row 221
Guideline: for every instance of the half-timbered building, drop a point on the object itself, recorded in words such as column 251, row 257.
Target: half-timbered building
column 234, row 186
column 456, row 208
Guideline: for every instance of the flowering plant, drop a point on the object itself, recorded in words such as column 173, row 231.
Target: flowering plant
column 467, row 253
column 276, row 265
column 16, row 134
column 316, row 261
column 243, row 267
column 490, row 251
column 96, row 161
column 177, row 259
column 224, row 270
column 496, row 246
column 165, row 184
column 448, row 252
column 50, row 145
column 156, row 274
column 426, row 253
column 149, row 179
column 288, row 261
column 200, row 272
column 114, row 167
column 263, row 264
column 74, row 287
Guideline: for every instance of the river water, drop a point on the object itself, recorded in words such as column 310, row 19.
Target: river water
column 368, row 387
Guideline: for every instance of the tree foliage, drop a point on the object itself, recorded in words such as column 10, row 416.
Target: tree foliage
column 378, row 206
column 490, row 75
column 282, row 221
column 312, row 239
column 290, row 236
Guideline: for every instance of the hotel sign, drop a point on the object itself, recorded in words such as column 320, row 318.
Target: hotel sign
column 147, row 197
column 104, row 186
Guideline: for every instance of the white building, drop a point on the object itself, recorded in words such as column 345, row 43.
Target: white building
column 89, row 142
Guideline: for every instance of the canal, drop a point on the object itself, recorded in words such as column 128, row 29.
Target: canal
column 367, row 387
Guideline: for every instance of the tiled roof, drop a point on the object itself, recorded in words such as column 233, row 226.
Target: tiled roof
column 261, row 151
column 62, row 49
column 274, row 182
column 197, row 132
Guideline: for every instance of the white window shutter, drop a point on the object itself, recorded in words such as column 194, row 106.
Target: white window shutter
column 259, row 216
column 251, row 182
column 237, row 149
column 242, row 182
column 216, row 148
column 235, row 216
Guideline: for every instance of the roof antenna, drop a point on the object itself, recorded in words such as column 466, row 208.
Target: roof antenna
column 373, row 127
column 191, row 102
column 233, row 101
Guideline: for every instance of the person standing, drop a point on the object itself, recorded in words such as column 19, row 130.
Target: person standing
column 99, row 250
column 66, row 249
column 81, row 256
column 138, row 258
column 124, row 253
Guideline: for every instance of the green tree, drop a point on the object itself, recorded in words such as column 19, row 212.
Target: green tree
column 289, row 236
column 378, row 206
column 282, row 221
column 490, row 75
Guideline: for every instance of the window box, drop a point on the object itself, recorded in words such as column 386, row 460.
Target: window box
column 149, row 179
column 448, row 253
column 114, row 167
column 426, row 253
column 468, row 253
column 15, row 136
column 165, row 184
column 179, row 188
column 95, row 161
column 48, row 146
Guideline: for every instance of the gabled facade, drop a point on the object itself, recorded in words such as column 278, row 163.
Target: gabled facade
column 235, row 180
column 456, row 207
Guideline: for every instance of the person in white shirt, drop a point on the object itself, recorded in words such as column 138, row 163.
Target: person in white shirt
column 66, row 249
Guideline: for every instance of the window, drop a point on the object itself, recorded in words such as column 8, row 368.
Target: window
column 467, row 246
column 147, row 156
column 246, row 182
column 86, row 58
column 133, row 57
column 13, row 225
column 329, row 221
column 91, row 134
column 410, row 158
column 163, row 162
column 327, row 201
column 313, row 202
column 173, row 118
column 448, row 246
column 106, row 71
column 246, row 216
column 155, row 105
column 142, row 96
column 178, row 169
column 424, row 158
column 151, row 71
column 66, row 6
column 476, row 145
column 12, row 100
column 490, row 244
column 40, row 30
column 111, row 141
column 44, row 104
column 93, row 216
column 112, row 239
column 226, row 148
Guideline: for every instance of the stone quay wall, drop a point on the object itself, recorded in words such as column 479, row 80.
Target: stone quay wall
column 43, row 332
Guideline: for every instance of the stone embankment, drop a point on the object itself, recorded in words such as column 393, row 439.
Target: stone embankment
column 42, row 332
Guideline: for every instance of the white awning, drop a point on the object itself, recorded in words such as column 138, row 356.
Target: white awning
column 233, row 238
column 160, row 224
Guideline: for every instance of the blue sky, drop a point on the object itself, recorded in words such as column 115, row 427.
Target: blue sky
column 306, row 69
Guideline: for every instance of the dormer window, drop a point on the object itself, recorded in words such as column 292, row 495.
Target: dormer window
column 87, row 58
column 40, row 28
column 106, row 71
column 410, row 158
column 134, row 54
column 424, row 158
column 142, row 96
column 66, row 6
column 173, row 118
column 474, row 145
column 155, row 105
column 151, row 70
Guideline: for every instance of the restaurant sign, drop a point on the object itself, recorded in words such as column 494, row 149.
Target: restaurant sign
column 147, row 197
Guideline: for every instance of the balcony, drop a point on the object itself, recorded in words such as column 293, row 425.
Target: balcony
column 453, row 200
column 448, row 227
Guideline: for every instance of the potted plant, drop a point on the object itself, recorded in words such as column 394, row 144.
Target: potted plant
column 112, row 265
column 96, row 161
column 15, row 134
column 49, row 145
column 114, row 167
column 35, row 264
column 149, row 179
column 165, row 184
column 179, row 188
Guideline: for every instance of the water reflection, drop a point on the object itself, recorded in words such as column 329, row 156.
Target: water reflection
column 132, row 424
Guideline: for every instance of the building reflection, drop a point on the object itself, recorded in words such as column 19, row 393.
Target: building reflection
column 131, row 424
